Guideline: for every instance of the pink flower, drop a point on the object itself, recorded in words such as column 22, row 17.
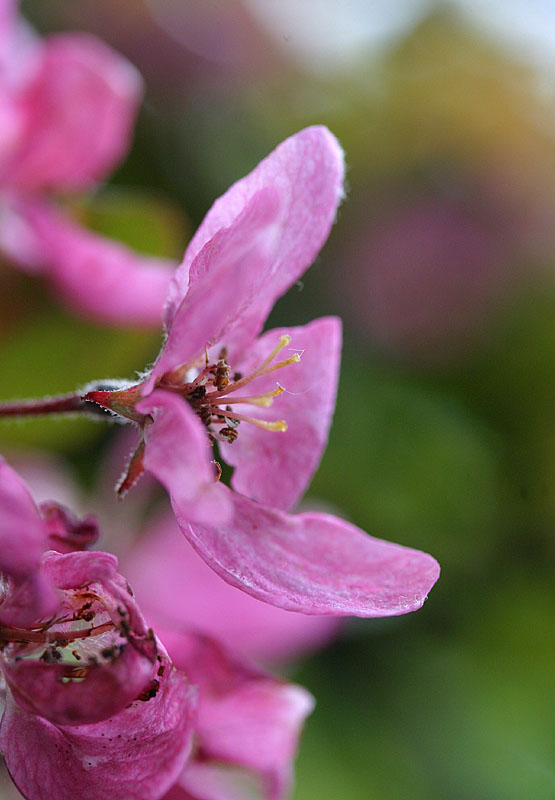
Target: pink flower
column 94, row 706
column 67, row 109
column 215, row 379
column 173, row 586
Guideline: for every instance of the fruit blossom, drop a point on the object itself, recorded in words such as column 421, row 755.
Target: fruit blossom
column 214, row 383
column 68, row 104
column 93, row 705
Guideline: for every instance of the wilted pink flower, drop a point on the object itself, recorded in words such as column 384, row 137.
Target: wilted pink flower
column 67, row 108
column 94, row 706
column 213, row 374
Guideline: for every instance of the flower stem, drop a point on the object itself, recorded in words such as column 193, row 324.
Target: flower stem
column 63, row 404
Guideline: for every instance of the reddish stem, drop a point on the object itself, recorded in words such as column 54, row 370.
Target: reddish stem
column 64, row 404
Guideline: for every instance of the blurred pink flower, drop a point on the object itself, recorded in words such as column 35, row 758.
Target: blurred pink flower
column 428, row 276
column 67, row 109
column 247, row 728
column 254, row 243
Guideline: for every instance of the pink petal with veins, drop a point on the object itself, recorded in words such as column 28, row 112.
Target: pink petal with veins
column 314, row 563
column 306, row 171
column 276, row 468
column 231, row 270
column 176, row 589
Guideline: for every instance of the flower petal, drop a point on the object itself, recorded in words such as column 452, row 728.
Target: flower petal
column 26, row 596
column 176, row 589
column 136, row 755
column 23, row 535
column 230, row 271
column 66, row 532
column 178, row 454
column 307, row 173
column 246, row 718
column 96, row 276
column 80, row 108
column 276, row 468
column 315, row 563
column 71, row 570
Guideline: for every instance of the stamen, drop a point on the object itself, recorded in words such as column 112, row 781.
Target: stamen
column 24, row 636
column 268, row 425
column 263, row 400
column 263, row 368
column 283, row 342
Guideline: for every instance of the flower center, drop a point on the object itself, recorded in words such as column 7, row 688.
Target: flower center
column 212, row 396
column 83, row 634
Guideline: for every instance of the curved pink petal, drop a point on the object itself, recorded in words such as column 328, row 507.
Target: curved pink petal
column 275, row 468
column 80, row 108
column 71, row 570
column 95, row 657
column 23, row 536
column 178, row 454
column 136, row 755
column 306, row 171
column 96, row 276
column 176, row 589
column 315, row 563
column 231, row 269
column 246, row 718
column 70, row 692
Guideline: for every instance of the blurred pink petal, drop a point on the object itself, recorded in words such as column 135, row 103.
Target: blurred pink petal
column 177, row 590
column 22, row 532
column 314, row 563
column 79, row 110
column 276, row 469
column 66, row 532
column 96, row 276
column 246, row 718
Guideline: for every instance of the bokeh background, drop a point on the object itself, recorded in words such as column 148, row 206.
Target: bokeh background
column 442, row 267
